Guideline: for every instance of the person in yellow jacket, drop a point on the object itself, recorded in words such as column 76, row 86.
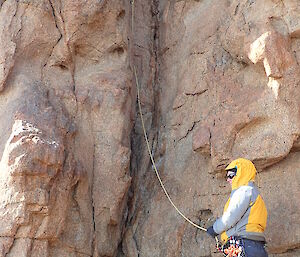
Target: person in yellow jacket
column 245, row 213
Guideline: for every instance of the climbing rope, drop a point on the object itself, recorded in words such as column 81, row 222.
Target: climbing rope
column 148, row 145
column 152, row 160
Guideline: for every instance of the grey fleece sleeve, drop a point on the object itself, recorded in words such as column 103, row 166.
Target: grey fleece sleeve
column 238, row 205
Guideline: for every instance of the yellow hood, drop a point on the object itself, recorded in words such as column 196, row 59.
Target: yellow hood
column 246, row 172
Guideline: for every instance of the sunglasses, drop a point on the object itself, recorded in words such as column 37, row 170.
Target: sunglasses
column 231, row 173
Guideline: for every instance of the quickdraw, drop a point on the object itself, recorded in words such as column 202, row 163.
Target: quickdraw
column 232, row 248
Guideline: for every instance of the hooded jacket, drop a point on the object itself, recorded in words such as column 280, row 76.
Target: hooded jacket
column 245, row 213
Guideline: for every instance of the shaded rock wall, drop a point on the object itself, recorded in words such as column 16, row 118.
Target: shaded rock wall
column 219, row 79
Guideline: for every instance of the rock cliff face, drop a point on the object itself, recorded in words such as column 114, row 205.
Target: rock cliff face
column 219, row 80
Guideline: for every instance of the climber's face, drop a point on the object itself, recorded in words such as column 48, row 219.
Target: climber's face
column 240, row 171
column 230, row 175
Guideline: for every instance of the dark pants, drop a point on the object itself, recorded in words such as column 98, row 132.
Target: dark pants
column 254, row 248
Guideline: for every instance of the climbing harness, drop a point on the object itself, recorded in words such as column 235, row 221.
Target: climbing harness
column 234, row 247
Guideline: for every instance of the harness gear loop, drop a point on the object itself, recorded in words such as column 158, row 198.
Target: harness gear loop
column 234, row 247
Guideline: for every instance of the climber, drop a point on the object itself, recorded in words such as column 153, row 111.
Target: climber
column 245, row 215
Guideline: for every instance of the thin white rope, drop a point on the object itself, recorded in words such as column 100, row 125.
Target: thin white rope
column 147, row 141
column 152, row 160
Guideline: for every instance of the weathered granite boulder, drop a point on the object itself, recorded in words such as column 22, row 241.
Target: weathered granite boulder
column 66, row 117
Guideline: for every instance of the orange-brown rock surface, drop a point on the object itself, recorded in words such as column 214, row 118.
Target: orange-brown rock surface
column 218, row 80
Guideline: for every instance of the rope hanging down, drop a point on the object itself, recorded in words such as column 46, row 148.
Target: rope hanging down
column 147, row 141
column 152, row 160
